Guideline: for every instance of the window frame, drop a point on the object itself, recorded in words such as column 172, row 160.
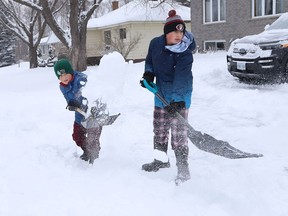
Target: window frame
column 122, row 33
column 263, row 11
column 215, row 42
column 107, row 40
column 220, row 14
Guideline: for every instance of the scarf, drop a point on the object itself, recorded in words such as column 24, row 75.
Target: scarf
column 183, row 44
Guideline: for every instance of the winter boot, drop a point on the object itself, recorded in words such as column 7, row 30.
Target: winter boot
column 94, row 154
column 161, row 159
column 85, row 155
column 90, row 153
column 155, row 166
column 183, row 173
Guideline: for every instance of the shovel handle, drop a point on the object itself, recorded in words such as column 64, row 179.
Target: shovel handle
column 151, row 86
column 81, row 112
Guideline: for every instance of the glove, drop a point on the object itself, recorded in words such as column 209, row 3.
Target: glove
column 84, row 108
column 175, row 107
column 148, row 76
column 82, row 82
column 73, row 105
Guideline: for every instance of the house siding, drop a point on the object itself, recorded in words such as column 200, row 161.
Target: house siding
column 146, row 30
column 239, row 23
column 96, row 45
column 93, row 43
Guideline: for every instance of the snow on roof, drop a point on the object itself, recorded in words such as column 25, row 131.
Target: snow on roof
column 43, row 40
column 51, row 39
column 136, row 11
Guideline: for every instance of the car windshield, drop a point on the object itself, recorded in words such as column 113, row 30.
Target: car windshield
column 280, row 23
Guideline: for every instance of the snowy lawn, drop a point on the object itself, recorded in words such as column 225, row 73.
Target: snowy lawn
column 41, row 173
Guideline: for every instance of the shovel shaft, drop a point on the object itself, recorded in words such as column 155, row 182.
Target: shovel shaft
column 81, row 112
column 203, row 141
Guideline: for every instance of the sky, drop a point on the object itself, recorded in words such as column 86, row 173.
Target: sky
column 40, row 169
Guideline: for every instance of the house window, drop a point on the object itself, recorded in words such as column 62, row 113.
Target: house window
column 107, row 37
column 280, row 6
column 43, row 49
column 214, row 45
column 267, row 7
column 122, row 33
column 214, row 10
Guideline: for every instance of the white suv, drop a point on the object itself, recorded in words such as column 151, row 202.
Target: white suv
column 263, row 56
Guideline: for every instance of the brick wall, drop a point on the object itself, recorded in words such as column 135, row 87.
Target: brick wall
column 238, row 22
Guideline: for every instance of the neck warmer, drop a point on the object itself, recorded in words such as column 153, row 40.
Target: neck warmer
column 183, row 44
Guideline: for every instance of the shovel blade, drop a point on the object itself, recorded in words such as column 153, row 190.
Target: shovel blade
column 91, row 122
column 209, row 144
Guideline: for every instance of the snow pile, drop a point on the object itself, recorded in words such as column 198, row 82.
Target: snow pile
column 41, row 173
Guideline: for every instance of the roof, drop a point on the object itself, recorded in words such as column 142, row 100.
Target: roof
column 43, row 40
column 135, row 11
column 52, row 38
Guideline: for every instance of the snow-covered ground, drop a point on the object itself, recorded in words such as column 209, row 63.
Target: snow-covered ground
column 41, row 174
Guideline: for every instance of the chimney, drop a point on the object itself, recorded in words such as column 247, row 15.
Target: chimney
column 115, row 5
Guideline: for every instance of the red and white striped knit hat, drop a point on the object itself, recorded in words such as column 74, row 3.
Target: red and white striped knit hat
column 174, row 23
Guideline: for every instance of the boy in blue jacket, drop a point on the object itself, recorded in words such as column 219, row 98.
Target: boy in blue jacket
column 169, row 60
column 71, row 83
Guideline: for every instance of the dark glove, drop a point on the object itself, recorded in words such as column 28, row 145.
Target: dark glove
column 148, row 76
column 84, row 108
column 175, row 107
column 73, row 105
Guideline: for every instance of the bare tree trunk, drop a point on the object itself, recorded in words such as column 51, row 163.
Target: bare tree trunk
column 78, row 19
column 33, row 57
column 78, row 56
column 47, row 13
column 29, row 30
column 78, row 35
column 78, row 51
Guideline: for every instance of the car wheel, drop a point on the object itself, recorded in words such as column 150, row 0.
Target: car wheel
column 284, row 74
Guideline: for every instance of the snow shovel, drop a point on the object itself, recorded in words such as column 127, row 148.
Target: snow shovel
column 201, row 140
column 99, row 116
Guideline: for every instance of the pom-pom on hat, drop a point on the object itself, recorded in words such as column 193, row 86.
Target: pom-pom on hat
column 63, row 66
column 174, row 23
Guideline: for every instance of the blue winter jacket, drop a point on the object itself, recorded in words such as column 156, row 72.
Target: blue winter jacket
column 172, row 71
column 72, row 91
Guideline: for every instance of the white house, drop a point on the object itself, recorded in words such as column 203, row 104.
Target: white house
column 45, row 42
column 134, row 22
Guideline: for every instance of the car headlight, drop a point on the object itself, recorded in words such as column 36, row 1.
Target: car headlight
column 271, row 46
